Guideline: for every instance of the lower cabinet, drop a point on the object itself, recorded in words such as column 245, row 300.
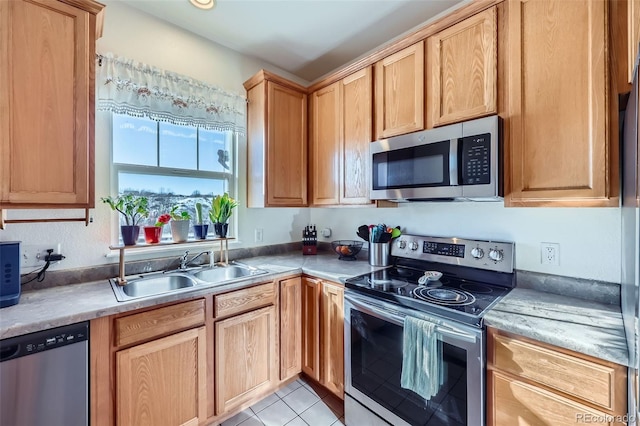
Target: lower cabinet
column 246, row 357
column 323, row 333
column 290, row 327
column 163, row 382
column 532, row 383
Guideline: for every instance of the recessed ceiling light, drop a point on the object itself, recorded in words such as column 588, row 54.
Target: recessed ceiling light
column 203, row 4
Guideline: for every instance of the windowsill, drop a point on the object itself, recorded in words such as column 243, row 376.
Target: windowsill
column 145, row 250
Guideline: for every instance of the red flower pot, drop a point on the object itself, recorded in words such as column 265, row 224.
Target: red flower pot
column 152, row 234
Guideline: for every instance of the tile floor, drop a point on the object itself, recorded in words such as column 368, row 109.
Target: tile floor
column 298, row 404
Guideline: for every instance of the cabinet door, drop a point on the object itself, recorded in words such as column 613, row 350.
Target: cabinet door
column 332, row 338
column 633, row 17
column 245, row 357
column 462, row 62
column 46, row 104
column 558, row 138
column 311, row 327
column 326, row 145
column 290, row 327
column 512, row 402
column 399, row 93
column 357, row 114
column 286, row 146
column 163, row 382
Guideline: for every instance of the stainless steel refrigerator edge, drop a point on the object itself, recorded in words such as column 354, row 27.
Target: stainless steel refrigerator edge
column 630, row 261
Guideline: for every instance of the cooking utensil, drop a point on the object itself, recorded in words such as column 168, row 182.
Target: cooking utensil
column 395, row 232
column 363, row 232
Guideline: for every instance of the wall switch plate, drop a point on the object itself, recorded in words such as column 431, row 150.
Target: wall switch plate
column 33, row 255
column 550, row 254
column 258, row 235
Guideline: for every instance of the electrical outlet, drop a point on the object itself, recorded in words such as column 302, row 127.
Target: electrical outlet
column 550, row 254
column 258, row 234
column 326, row 232
column 33, row 254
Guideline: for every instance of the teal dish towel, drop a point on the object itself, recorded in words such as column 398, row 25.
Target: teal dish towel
column 422, row 369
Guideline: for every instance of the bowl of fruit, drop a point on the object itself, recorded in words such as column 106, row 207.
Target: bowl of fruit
column 346, row 249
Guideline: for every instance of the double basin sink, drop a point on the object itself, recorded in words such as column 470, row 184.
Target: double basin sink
column 169, row 282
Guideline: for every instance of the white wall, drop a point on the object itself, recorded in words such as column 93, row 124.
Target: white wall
column 138, row 36
column 589, row 238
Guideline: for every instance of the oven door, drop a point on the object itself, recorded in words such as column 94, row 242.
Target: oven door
column 373, row 366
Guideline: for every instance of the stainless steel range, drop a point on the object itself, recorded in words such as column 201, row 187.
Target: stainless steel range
column 450, row 282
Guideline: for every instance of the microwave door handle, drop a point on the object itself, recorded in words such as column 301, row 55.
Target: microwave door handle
column 397, row 317
column 453, row 162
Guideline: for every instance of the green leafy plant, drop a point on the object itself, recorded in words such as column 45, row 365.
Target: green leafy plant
column 176, row 215
column 134, row 208
column 198, row 213
column 221, row 208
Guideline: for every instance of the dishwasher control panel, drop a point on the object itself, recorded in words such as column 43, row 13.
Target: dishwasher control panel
column 28, row 344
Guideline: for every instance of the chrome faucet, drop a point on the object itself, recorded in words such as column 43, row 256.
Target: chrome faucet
column 183, row 259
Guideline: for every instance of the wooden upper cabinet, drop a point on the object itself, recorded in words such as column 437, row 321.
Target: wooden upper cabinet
column 558, row 139
column 633, row 27
column 340, row 133
column 357, row 119
column 326, row 145
column 399, row 92
column 462, row 69
column 47, row 103
column 276, row 142
column 163, row 382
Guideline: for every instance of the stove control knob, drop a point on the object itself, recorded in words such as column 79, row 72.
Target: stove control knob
column 413, row 245
column 477, row 253
column 402, row 244
column 496, row 255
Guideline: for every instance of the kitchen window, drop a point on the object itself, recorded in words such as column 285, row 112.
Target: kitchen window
column 172, row 164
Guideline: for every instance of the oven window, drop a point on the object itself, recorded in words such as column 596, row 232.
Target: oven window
column 376, row 367
column 420, row 166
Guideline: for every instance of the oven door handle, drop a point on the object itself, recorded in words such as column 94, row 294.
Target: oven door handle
column 397, row 317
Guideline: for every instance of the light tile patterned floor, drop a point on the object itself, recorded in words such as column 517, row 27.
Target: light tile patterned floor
column 297, row 404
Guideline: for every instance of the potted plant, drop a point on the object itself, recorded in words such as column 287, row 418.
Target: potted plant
column 179, row 224
column 200, row 229
column 221, row 208
column 153, row 233
column 133, row 208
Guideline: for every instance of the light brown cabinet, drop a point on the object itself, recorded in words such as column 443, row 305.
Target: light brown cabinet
column 559, row 146
column 633, row 28
column 540, row 384
column 399, row 92
column 163, row 381
column 276, row 142
column 323, row 333
column 47, row 103
column 462, row 70
column 246, row 357
column 341, row 130
column 290, row 327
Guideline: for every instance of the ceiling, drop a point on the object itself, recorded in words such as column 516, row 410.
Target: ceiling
column 308, row 38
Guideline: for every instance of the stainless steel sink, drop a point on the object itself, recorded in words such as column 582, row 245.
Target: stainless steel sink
column 161, row 283
column 145, row 286
column 220, row 274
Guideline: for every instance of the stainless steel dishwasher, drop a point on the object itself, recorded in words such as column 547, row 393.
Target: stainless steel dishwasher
column 44, row 377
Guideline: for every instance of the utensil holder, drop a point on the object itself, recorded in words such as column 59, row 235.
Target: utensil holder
column 379, row 254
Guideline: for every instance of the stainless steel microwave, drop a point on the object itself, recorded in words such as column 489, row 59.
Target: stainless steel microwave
column 455, row 162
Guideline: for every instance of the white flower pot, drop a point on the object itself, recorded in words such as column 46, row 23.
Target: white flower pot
column 180, row 230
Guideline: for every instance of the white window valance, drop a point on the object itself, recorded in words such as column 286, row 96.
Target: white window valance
column 128, row 87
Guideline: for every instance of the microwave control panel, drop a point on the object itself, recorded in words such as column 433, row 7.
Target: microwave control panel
column 476, row 159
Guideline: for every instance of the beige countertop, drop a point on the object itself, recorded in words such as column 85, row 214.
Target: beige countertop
column 586, row 327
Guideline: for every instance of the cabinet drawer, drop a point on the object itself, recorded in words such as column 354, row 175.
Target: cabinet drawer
column 517, row 403
column 243, row 300
column 575, row 376
column 146, row 325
